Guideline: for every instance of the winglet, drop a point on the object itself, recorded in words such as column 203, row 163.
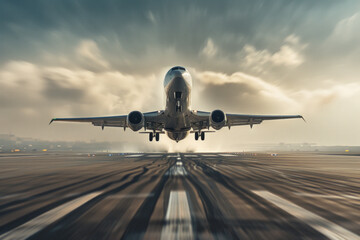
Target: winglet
column 52, row 120
column 303, row 118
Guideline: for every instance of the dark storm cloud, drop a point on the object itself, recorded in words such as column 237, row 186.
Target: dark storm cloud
column 144, row 28
column 53, row 90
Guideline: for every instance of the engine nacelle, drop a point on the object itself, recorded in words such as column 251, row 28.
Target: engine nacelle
column 217, row 119
column 135, row 120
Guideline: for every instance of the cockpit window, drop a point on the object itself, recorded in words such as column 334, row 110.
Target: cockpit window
column 177, row 68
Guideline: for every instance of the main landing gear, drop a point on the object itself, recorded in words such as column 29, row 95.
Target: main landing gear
column 152, row 135
column 201, row 134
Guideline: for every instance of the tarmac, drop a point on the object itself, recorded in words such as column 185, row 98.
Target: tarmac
column 179, row 196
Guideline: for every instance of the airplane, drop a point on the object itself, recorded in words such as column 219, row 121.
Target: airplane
column 177, row 120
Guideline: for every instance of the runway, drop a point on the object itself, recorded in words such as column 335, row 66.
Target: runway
column 179, row 196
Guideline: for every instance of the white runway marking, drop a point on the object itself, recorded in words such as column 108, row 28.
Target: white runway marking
column 35, row 225
column 176, row 170
column 329, row 229
column 340, row 196
column 190, row 155
column 178, row 218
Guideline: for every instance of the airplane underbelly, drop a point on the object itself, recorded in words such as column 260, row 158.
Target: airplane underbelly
column 177, row 136
column 179, row 123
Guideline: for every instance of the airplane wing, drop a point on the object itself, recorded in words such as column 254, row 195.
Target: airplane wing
column 109, row 121
column 152, row 120
column 245, row 119
column 201, row 120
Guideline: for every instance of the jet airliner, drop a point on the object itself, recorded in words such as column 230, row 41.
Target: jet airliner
column 177, row 120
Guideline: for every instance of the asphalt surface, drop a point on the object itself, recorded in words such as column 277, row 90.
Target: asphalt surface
column 179, row 196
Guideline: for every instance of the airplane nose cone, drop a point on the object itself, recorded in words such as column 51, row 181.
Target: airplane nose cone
column 177, row 77
column 177, row 74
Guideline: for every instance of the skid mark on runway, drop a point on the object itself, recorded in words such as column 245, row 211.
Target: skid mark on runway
column 67, row 187
column 178, row 223
column 35, row 225
column 329, row 229
column 123, row 196
column 27, row 217
column 139, row 223
column 213, row 212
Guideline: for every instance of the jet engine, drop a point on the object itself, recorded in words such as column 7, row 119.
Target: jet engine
column 135, row 120
column 217, row 119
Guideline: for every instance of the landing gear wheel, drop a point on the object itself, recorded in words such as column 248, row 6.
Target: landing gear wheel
column 196, row 136
column 151, row 136
column 202, row 136
column 157, row 136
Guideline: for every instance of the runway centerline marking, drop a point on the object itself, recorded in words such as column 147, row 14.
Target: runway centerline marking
column 176, row 170
column 35, row 225
column 178, row 223
column 329, row 229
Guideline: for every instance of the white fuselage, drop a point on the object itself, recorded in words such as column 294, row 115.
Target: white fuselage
column 177, row 85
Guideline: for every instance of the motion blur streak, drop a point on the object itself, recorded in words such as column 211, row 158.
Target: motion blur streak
column 146, row 196
column 28, row 229
column 324, row 226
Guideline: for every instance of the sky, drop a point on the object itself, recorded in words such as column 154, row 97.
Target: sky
column 77, row 58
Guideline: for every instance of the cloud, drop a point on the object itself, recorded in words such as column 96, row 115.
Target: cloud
column 289, row 55
column 21, row 84
column 345, row 27
column 346, row 36
column 209, row 49
column 72, row 91
column 314, row 100
column 90, row 56
column 240, row 91
column 151, row 17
